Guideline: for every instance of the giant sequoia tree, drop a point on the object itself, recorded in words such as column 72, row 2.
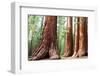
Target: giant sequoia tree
column 69, row 38
column 81, row 40
column 48, row 45
column 76, row 43
column 82, row 36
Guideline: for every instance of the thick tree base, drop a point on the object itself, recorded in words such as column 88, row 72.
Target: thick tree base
column 42, row 56
column 68, row 54
column 43, row 53
column 80, row 53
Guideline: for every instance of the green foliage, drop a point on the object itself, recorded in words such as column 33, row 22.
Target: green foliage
column 34, row 32
column 61, row 33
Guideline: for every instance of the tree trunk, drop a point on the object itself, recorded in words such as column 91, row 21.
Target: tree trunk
column 69, row 38
column 76, row 46
column 82, row 37
column 48, row 45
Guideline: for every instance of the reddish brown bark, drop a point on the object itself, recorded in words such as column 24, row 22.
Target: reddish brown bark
column 82, row 37
column 69, row 38
column 48, row 45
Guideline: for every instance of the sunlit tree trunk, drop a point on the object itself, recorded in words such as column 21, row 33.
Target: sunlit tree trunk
column 69, row 38
column 82, row 36
column 48, row 45
column 76, row 45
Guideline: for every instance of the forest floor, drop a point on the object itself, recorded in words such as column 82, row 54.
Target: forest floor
column 62, row 58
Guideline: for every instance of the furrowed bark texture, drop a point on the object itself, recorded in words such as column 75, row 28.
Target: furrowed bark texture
column 48, row 45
